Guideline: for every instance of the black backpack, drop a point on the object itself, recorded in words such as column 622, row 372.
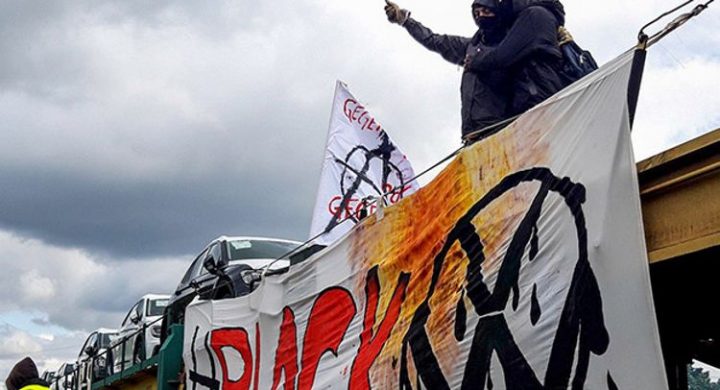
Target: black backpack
column 576, row 62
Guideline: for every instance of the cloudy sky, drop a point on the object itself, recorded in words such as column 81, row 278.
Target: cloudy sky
column 133, row 132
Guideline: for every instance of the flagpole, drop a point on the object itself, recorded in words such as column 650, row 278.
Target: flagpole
column 322, row 163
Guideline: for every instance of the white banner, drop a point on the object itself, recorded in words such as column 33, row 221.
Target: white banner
column 522, row 265
column 360, row 161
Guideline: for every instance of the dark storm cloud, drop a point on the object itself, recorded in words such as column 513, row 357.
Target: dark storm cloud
column 70, row 170
column 136, row 131
column 150, row 219
column 171, row 189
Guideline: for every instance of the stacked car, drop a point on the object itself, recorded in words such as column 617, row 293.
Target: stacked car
column 139, row 335
column 94, row 360
column 64, row 377
column 48, row 376
column 227, row 267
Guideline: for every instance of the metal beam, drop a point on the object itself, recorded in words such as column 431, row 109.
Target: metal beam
column 680, row 194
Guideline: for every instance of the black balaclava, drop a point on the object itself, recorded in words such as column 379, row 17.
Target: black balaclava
column 491, row 28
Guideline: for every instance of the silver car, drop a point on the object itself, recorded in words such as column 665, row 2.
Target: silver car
column 94, row 360
column 139, row 335
column 48, row 376
column 64, row 377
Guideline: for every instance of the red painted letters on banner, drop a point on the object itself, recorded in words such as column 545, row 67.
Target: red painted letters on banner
column 331, row 315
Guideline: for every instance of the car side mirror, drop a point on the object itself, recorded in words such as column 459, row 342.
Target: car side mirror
column 135, row 319
column 213, row 265
column 89, row 350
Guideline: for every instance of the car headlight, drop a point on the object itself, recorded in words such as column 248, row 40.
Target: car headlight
column 155, row 331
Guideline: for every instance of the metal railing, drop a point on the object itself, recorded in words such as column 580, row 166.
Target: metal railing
column 94, row 372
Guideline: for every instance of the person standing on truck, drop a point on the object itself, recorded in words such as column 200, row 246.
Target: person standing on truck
column 483, row 95
column 511, row 64
column 24, row 376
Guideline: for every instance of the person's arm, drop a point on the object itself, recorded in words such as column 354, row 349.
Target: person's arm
column 535, row 29
column 450, row 47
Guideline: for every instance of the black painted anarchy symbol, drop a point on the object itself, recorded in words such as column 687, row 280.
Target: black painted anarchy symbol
column 581, row 327
column 359, row 176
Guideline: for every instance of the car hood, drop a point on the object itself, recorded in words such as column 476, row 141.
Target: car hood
column 262, row 263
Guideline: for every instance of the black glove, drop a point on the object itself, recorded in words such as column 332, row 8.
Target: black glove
column 395, row 14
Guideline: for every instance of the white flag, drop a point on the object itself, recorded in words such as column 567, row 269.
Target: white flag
column 360, row 161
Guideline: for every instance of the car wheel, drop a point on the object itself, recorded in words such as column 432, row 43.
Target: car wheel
column 139, row 350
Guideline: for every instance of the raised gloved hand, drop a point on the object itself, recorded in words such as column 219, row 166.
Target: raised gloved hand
column 395, row 14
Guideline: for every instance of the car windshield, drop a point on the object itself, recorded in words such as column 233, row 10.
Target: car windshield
column 258, row 249
column 106, row 339
column 156, row 307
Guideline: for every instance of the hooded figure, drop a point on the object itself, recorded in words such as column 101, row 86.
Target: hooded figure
column 529, row 52
column 24, row 376
column 490, row 21
column 484, row 96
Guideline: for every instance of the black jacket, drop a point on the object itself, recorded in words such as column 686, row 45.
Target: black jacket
column 484, row 94
column 529, row 53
